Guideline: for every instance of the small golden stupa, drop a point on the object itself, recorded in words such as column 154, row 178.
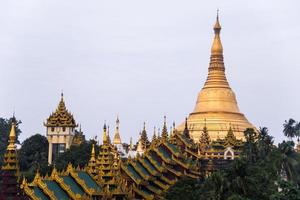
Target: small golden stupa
column 216, row 106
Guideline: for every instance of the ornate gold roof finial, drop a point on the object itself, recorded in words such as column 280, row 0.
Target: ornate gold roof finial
column 164, row 133
column 117, row 138
column 131, row 144
column 154, row 138
column 93, row 151
column 105, row 141
column 144, row 126
column 108, row 136
column 217, row 48
column 186, row 130
column 12, row 136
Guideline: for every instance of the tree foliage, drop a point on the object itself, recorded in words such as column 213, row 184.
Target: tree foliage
column 186, row 188
column 33, row 156
column 77, row 155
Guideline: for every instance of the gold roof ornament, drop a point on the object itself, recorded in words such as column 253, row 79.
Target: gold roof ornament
column 230, row 139
column 12, row 137
column 140, row 148
column 61, row 117
column 154, row 138
column 164, row 132
column 216, row 101
column 105, row 139
column 131, row 144
column 117, row 138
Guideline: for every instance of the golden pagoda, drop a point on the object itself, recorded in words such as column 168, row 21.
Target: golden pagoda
column 117, row 138
column 106, row 161
column 216, row 104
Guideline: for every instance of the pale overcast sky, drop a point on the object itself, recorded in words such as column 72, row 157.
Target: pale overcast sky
column 145, row 59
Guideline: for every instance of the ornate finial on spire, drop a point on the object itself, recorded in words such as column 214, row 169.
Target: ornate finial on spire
column 140, row 147
column 164, row 133
column 217, row 26
column 105, row 141
column 117, row 138
column 144, row 137
column 12, row 135
column 217, row 48
column 154, row 138
column 131, row 144
column 108, row 136
column 93, row 151
column 186, row 130
column 117, row 121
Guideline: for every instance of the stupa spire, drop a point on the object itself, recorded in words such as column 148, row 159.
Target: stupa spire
column 12, row 136
column 164, row 133
column 117, row 138
column 216, row 75
column 105, row 140
column 216, row 103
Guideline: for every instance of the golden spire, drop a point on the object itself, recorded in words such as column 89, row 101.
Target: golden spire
column 105, row 141
column 131, row 144
column 93, row 152
column 216, row 75
column 217, row 48
column 140, row 147
column 12, row 136
column 117, row 138
column 164, row 133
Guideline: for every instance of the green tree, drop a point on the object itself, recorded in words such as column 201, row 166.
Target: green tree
column 290, row 161
column 289, row 129
column 288, row 190
column 186, row 188
column 215, row 187
column 33, row 156
column 77, row 155
column 250, row 150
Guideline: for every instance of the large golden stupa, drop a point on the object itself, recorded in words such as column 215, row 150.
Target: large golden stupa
column 216, row 106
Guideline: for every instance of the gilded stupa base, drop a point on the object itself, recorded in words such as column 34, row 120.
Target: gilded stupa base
column 217, row 124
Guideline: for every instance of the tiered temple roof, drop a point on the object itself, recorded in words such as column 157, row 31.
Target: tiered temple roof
column 160, row 166
column 61, row 117
column 70, row 184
